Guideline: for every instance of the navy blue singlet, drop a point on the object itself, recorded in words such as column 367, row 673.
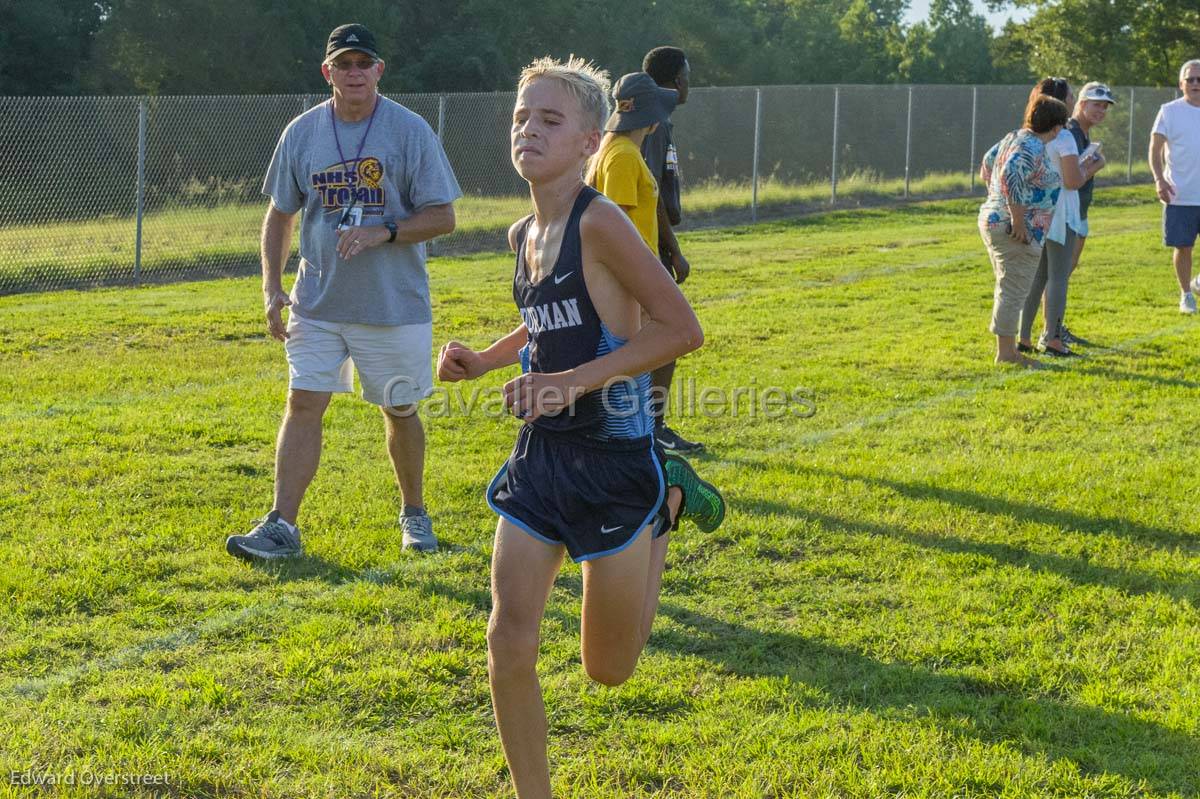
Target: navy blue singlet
column 565, row 331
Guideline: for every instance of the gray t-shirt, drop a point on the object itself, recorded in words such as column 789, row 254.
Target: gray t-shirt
column 401, row 170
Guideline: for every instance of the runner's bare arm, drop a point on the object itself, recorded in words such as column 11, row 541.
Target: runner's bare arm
column 458, row 362
column 672, row 329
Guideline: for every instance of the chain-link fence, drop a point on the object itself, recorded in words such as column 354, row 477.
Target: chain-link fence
column 103, row 190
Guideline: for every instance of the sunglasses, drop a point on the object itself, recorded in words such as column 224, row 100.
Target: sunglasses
column 1192, row 79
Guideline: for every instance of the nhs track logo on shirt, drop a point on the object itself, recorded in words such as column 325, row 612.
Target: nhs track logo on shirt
column 362, row 179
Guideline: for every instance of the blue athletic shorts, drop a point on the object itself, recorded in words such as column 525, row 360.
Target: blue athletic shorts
column 1181, row 223
column 592, row 496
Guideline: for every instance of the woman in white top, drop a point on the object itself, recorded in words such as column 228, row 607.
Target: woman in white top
column 1090, row 110
column 1059, row 251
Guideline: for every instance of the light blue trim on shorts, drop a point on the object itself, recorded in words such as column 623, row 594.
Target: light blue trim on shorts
column 520, row 524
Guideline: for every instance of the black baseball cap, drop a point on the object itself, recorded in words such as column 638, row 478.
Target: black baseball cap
column 640, row 103
column 345, row 38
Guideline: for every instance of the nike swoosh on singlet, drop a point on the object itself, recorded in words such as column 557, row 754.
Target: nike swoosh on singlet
column 560, row 278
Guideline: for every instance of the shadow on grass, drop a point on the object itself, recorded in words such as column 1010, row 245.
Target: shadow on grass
column 1094, row 740
column 1180, row 587
column 1118, row 374
column 310, row 567
column 998, row 506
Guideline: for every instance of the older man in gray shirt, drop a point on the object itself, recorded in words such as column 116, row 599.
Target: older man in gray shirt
column 373, row 184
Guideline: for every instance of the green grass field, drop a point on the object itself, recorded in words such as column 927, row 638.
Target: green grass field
column 955, row 580
column 199, row 241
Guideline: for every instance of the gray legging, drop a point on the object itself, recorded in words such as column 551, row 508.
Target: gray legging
column 1052, row 274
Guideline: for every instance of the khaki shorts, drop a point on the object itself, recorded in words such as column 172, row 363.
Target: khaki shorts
column 393, row 361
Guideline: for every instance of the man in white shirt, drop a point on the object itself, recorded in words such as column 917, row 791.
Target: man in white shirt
column 1177, row 177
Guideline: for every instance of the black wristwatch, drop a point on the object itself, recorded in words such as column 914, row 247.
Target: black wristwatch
column 391, row 228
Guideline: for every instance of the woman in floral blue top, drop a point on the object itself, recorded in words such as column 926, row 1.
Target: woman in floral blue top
column 1023, row 188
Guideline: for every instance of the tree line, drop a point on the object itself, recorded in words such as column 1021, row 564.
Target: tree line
column 54, row 47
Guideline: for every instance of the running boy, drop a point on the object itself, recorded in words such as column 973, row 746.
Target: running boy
column 583, row 477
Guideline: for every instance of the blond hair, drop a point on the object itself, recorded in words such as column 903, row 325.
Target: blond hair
column 582, row 79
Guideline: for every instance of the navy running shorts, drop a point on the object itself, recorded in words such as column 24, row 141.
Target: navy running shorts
column 592, row 496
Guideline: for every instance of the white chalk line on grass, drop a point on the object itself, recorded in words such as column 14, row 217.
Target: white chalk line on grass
column 1010, row 374
column 37, row 688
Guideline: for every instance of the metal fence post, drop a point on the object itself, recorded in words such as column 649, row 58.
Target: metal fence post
column 1129, row 147
column 833, row 166
column 974, row 109
column 908, row 143
column 754, row 166
column 431, row 245
column 141, row 189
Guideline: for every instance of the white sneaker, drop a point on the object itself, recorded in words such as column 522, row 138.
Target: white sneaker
column 1195, row 284
column 1187, row 303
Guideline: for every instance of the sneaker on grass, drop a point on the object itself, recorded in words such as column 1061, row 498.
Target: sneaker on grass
column 702, row 502
column 1187, row 303
column 671, row 441
column 418, row 533
column 269, row 539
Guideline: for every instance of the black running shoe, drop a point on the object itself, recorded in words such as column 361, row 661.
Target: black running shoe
column 1065, row 352
column 671, row 441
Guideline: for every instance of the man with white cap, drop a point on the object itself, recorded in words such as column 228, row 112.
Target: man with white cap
column 1175, row 163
